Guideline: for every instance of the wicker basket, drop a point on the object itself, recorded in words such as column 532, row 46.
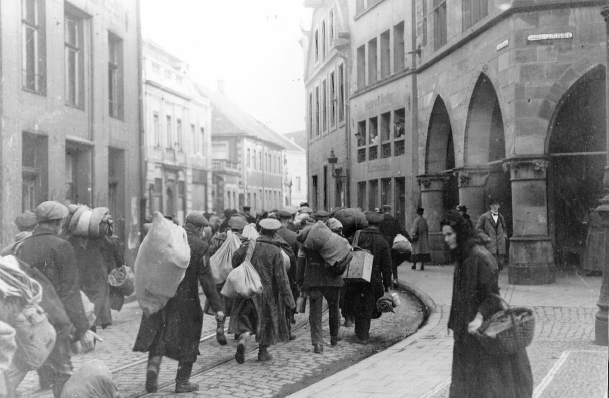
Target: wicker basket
column 514, row 327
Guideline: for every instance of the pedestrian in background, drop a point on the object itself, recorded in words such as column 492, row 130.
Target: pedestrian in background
column 289, row 237
column 491, row 229
column 390, row 227
column 25, row 222
column 263, row 315
column 175, row 330
column 475, row 373
column 360, row 297
column 462, row 209
column 420, row 241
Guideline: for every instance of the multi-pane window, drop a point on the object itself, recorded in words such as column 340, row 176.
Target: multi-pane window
column 423, row 25
column 34, row 167
column 169, row 132
column 439, row 23
column 317, row 116
column 323, row 40
column 179, row 138
column 316, row 49
column 157, row 128
column 33, row 51
column 324, row 108
column 341, row 92
column 331, row 35
column 74, row 60
column 398, row 47
column 310, row 115
column 333, row 100
column 361, row 66
column 372, row 61
column 115, row 75
column 473, row 11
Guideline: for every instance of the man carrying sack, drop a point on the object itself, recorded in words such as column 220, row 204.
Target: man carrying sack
column 55, row 258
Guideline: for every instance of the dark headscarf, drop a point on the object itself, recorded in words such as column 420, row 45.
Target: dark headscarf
column 465, row 235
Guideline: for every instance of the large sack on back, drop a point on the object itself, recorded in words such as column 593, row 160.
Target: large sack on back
column 351, row 219
column 335, row 249
column 318, row 236
column 35, row 338
column 160, row 264
column 221, row 263
column 92, row 380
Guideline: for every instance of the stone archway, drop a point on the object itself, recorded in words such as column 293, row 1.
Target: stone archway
column 484, row 151
column 439, row 189
column 576, row 145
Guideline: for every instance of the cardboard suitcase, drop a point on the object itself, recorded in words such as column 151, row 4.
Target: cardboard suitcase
column 360, row 267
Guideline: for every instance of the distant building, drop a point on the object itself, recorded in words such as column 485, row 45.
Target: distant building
column 295, row 160
column 247, row 158
column 70, row 110
column 178, row 136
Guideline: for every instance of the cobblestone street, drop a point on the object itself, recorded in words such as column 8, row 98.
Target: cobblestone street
column 294, row 365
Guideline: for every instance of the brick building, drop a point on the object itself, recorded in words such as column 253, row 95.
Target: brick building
column 178, row 136
column 69, row 102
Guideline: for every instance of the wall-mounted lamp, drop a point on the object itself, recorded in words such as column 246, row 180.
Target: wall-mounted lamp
column 332, row 159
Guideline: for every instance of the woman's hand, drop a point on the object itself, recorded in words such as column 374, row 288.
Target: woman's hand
column 474, row 325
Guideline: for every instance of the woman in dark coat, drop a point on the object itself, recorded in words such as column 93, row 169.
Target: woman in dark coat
column 263, row 315
column 360, row 297
column 175, row 331
column 420, row 241
column 475, row 374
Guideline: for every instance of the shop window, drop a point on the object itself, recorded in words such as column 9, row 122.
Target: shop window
column 33, row 51
column 373, row 195
column 34, row 170
column 372, row 61
column 398, row 48
column 439, row 24
column 361, row 155
column 324, row 105
column 385, row 54
column 361, row 133
column 115, row 76
column 361, row 195
column 78, row 173
column 399, row 123
column 361, row 67
column 373, row 131
column 74, row 57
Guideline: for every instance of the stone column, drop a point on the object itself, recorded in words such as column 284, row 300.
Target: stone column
column 601, row 222
column 472, row 183
column 531, row 249
column 432, row 200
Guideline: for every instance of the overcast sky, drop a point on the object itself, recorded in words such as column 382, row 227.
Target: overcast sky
column 252, row 45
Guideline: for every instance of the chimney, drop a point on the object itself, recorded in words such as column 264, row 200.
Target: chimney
column 221, row 86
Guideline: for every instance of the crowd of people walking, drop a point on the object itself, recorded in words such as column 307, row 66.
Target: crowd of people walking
column 72, row 269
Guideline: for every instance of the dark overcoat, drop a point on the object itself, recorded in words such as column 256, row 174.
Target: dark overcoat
column 271, row 324
column 493, row 234
column 175, row 330
column 54, row 257
column 313, row 273
column 475, row 374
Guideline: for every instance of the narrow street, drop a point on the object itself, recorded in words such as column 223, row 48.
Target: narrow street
column 294, row 365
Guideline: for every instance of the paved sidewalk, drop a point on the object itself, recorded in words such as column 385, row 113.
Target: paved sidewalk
column 564, row 359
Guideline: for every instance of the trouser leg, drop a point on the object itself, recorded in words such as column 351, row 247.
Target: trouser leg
column 332, row 295
column 315, row 310
column 46, row 375
column 61, row 362
column 184, row 372
column 363, row 315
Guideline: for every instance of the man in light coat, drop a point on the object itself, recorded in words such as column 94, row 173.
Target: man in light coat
column 491, row 229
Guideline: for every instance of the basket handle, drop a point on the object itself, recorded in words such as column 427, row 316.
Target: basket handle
column 509, row 308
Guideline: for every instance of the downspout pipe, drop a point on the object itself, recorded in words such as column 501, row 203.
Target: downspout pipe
column 142, row 137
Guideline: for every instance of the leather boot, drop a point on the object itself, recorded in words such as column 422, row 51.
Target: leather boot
column 152, row 373
column 244, row 338
column 318, row 348
column 220, row 338
column 183, row 383
column 263, row 353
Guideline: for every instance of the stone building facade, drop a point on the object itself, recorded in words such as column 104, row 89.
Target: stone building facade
column 69, row 102
column 178, row 136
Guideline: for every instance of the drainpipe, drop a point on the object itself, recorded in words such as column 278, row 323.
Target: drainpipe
column 142, row 138
column 415, row 103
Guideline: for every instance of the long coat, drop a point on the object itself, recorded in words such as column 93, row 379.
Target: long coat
column 271, row 324
column 475, row 374
column 420, row 236
column 312, row 272
column 493, row 234
column 175, row 330
column 96, row 257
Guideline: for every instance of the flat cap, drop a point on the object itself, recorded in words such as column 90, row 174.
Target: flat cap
column 321, row 214
column 305, row 209
column 270, row 224
column 334, row 224
column 374, row 218
column 283, row 214
column 291, row 209
column 304, row 204
column 386, row 208
column 51, row 210
column 247, row 208
column 237, row 222
column 196, row 219
column 26, row 221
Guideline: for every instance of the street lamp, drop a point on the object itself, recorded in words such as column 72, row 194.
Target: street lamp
column 332, row 159
column 601, row 222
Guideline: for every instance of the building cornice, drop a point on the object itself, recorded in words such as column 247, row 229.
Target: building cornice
column 380, row 83
column 169, row 90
